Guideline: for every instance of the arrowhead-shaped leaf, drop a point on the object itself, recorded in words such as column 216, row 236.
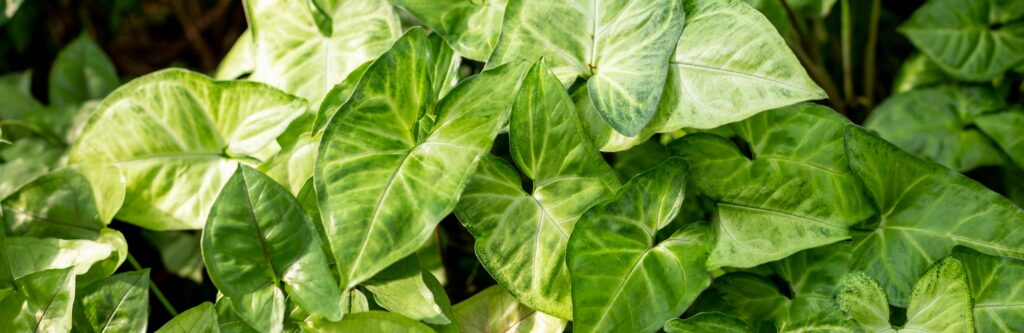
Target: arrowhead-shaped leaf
column 42, row 303
column 389, row 168
column 119, row 303
column 797, row 191
column 177, row 136
column 620, row 47
column 568, row 176
column 997, row 289
column 257, row 238
column 623, row 278
column 305, row 48
column 81, row 72
column 926, row 210
column 75, row 203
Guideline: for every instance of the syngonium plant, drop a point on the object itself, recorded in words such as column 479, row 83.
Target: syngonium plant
column 316, row 168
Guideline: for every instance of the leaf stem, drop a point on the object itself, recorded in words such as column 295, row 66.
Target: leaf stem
column 846, row 36
column 156, row 290
column 869, row 55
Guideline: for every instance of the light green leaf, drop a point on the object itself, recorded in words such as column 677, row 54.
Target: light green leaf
column 28, row 255
column 941, row 300
column 42, row 303
column 568, row 177
column 916, row 72
column 240, row 59
column 180, row 252
column 1005, row 129
column 707, row 322
column 200, row 319
column 621, row 48
column 623, row 279
column 996, row 291
column 81, row 72
column 971, row 40
column 258, row 237
column 337, row 97
column 408, row 290
column 471, row 27
column 386, row 172
column 860, row 297
column 177, row 136
column 292, row 53
column 797, row 191
column 942, row 131
column 495, row 310
column 926, row 209
column 293, row 165
column 730, row 64
column 69, row 203
column 119, row 303
column 372, row 321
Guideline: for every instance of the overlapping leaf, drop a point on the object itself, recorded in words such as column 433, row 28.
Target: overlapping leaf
column 42, row 303
column 471, row 27
column 393, row 161
column 119, row 303
column 795, row 192
column 177, row 136
column 620, row 47
column 568, row 176
column 494, row 310
column 623, row 278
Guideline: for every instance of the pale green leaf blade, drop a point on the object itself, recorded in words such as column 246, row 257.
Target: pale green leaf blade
column 620, row 47
column 200, row 319
column 42, row 303
column 259, row 237
column 28, row 255
column 971, row 40
column 995, row 285
column 730, row 64
column 1005, row 129
column 941, row 300
column 926, row 210
column 796, row 193
column 372, row 321
column 73, row 203
column 192, row 130
column 293, row 54
column 383, row 179
column 934, row 123
column 240, row 59
column 470, row 27
column 337, row 96
column 707, row 322
column 406, row 289
column 622, row 280
column 568, row 176
column 81, row 72
column 119, row 303
column 860, row 297
column 495, row 310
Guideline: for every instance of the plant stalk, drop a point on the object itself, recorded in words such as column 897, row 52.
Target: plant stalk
column 846, row 36
column 869, row 55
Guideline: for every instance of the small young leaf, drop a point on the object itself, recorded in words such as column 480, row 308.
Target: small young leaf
column 81, row 72
column 941, row 300
column 863, row 299
column 119, row 303
column 408, row 290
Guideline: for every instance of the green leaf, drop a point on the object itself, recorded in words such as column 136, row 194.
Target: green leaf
column 408, row 290
column 622, row 57
column 69, row 203
column 973, row 41
column 81, row 72
column 941, row 132
column 372, row 321
column 623, row 279
column 995, row 285
column 42, row 303
column 257, row 238
column 240, row 59
column 815, row 272
column 707, row 322
column 28, row 255
column 568, row 176
column 177, row 136
column 387, row 173
column 744, row 295
column 292, row 53
column 337, row 97
column 228, row 320
column 1004, row 128
column 495, row 310
column 202, row 319
column 941, row 300
column 180, row 252
column 797, row 191
column 729, row 64
column 917, row 72
column 926, row 210
column 813, row 8
column 860, row 297
column 119, row 303
column 293, row 165
column 471, row 27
